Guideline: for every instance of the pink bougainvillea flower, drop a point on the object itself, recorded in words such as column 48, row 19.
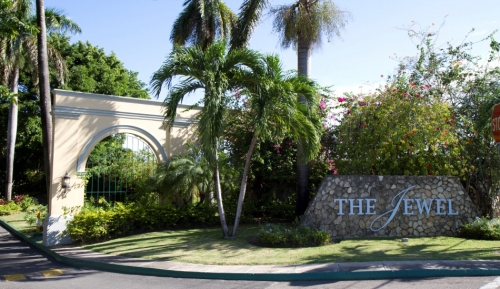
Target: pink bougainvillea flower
column 335, row 172
column 341, row 99
column 278, row 152
column 322, row 104
column 348, row 111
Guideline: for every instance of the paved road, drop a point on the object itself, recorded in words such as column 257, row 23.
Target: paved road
column 23, row 267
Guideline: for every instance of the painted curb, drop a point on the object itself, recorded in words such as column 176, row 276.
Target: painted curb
column 335, row 276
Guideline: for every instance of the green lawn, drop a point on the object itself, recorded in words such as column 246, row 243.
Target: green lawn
column 17, row 221
column 206, row 246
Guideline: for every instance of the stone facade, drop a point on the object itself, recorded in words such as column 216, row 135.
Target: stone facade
column 389, row 206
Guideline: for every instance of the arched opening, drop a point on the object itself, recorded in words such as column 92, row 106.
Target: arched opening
column 153, row 143
column 118, row 167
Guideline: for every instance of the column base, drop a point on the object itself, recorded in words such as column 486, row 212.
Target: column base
column 53, row 228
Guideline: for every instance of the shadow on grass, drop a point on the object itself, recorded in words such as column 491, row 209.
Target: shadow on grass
column 166, row 245
column 171, row 245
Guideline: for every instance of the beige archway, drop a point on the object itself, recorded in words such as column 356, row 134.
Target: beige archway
column 80, row 121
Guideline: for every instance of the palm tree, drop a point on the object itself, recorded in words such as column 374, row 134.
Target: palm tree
column 214, row 70
column 302, row 24
column 275, row 110
column 18, row 50
column 202, row 22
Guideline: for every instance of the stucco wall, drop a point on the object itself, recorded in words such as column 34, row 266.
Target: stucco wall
column 389, row 206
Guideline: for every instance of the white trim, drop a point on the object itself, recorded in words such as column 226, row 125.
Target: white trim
column 113, row 98
column 63, row 111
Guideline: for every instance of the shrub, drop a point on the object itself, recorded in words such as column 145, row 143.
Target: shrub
column 481, row 229
column 273, row 235
column 27, row 202
column 18, row 199
column 31, row 212
column 8, row 208
column 97, row 222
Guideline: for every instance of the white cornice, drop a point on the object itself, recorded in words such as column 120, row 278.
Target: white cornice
column 74, row 113
column 113, row 98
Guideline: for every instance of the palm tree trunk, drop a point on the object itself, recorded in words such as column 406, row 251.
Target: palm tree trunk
column 218, row 194
column 243, row 187
column 304, row 49
column 45, row 101
column 11, row 135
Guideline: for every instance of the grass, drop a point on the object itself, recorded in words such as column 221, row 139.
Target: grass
column 17, row 221
column 206, row 246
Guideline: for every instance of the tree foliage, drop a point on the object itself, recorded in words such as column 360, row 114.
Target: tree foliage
column 90, row 69
column 431, row 118
column 309, row 20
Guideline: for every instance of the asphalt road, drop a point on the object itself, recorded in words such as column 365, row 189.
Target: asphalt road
column 23, row 267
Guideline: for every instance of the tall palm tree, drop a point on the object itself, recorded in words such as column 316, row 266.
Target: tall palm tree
column 301, row 24
column 214, row 70
column 18, row 50
column 202, row 22
column 274, row 109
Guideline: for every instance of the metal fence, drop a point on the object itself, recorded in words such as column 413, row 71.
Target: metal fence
column 118, row 166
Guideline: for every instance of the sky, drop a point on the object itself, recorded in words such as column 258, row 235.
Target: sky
column 138, row 31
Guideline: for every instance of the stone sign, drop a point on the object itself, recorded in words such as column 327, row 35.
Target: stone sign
column 389, row 206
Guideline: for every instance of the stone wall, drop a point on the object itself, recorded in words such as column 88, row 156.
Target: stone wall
column 389, row 206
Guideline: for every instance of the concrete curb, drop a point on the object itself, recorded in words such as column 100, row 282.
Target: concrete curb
column 338, row 276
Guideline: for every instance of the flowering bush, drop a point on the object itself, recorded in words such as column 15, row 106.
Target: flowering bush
column 276, row 235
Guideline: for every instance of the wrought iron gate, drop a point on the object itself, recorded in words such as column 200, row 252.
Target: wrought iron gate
column 117, row 166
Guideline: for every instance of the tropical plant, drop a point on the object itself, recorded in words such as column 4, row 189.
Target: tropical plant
column 17, row 50
column 202, row 22
column 248, row 18
column 215, row 70
column 185, row 175
column 275, row 111
column 302, row 24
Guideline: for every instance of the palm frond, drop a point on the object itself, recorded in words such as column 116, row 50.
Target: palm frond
column 248, row 18
column 56, row 21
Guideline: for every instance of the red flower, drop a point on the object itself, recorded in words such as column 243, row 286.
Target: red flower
column 429, row 166
column 413, row 84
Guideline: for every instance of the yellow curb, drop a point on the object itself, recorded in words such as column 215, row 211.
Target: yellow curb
column 52, row 272
column 14, row 277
